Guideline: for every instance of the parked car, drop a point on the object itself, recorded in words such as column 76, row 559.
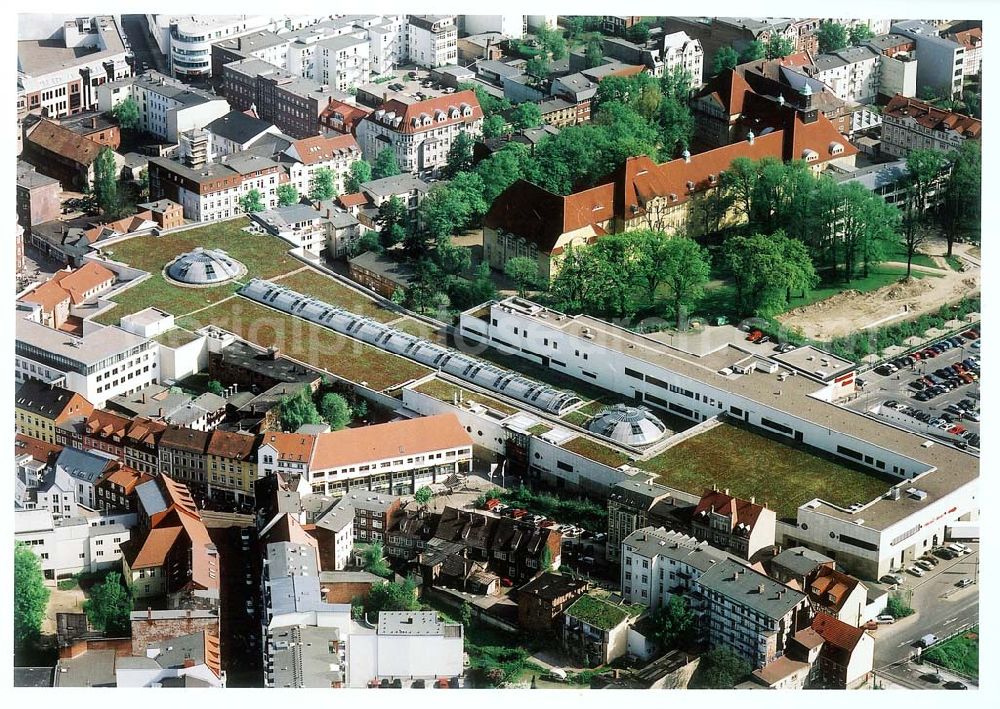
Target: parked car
column 885, row 619
column 249, row 607
column 892, row 578
column 945, row 553
column 926, row 641
column 954, row 684
column 925, row 565
column 962, row 583
column 915, row 570
column 932, row 677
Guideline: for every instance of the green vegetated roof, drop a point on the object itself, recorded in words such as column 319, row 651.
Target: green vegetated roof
column 596, row 451
column 600, row 613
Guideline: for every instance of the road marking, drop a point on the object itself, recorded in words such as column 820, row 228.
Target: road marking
column 905, row 642
column 950, row 621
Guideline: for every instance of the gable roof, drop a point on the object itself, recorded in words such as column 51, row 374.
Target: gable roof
column 62, row 141
column 740, row 512
column 84, row 465
column 321, row 148
column 836, row 632
column 51, row 402
column 387, row 440
column 238, row 127
column 727, row 89
column 830, row 588
column 233, row 445
column 37, row 449
column 410, row 116
column 291, row 446
column 933, row 118
column 185, row 439
column 69, row 285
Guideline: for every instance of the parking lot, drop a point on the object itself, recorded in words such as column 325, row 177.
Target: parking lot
column 937, row 387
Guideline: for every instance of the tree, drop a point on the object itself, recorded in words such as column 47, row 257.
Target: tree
column 766, row 269
column 724, row 59
column 143, row 184
column 127, row 114
column 287, row 194
column 252, row 201
column 831, row 37
column 962, row 207
column 552, row 42
column 537, row 66
column 897, row 607
column 860, row 34
column 106, row 182
column 296, row 410
column 686, row 269
column 914, row 231
column 753, row 51
column 459, row 154
column 109, row 607
column 392, row 596
column 501, row 169
column 594, row 53
column 334, row 409
column 359, row 173
column 321, row 187
column 494, row 126
column 30, row 595
column 376, row 563
column 423, row 496
column 720, row 668
column 443, row 213
column 638, row 33
column 778, row 46
column 398, row 296
column 574, row 25
column 465, row 614
column 215, row 387
column 526, row 115
column 523, row 270
column 385, row 164
column 674, row 623
column 392, row 215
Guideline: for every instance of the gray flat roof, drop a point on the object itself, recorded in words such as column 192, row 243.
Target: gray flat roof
column 397, row 184
column 743, row 585
column 342, row 42
column 876, row 176
column 650, row 542
column 39, row 57
column 301, row 657
column 289, row 559
column 94, row 668
column 800, row 560
column 815, row 362
column 99, row 343
column 954, row 468
column 29, row 178
column 412, row 623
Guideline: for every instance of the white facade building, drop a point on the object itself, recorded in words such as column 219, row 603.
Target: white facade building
column 167, row 107
column 60, row 65
column 104, row 362
column 679, row 50
column 866, row 539
column 852, row 73
column 69, row 546
column 432, row 40
column 344, row 62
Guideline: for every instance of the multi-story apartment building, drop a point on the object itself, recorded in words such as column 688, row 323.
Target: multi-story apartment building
column 432, row 40
column 264, row 45
column 61, row 64
column 972, row 40
column 374, row 515
column 750, row 613
column 39, row 409
column 619, row 24
column 167, row 107
column 235, row 132
column 909, row 124
column 69, row 289
column 213, row 191
column 940, row 62
column 657, row 564
column 299, row 224
column 187, row 40
column 100, row 364
column 289, row 101
column 231, row 465
column 114, row 492
column 183, row 457
column 741, row 527
column 172, row 555
column 680, row 51
column 344, row 62
column 396, row 457
column 541, row 601
column 131, row 440
column 633, row 504
column 852, row 73
column 595, row 631
column 305, row 157
column 420, row 133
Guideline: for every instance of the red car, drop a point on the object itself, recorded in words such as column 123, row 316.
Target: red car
column 930, row 353
column 506, row 582
column 956, row 429
column 755, row 335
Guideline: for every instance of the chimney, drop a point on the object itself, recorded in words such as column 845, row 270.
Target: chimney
column 753, row 500
column 149, row 613
column 750, row 137
column 760, row 589
column 93, row 121
column 188, row 612
column 188, row 662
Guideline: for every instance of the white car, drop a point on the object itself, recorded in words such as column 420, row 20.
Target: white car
column 916, row 570
column 925, row 565
column 885, row 619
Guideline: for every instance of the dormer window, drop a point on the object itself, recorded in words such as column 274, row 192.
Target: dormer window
column 836, row 148
column 810, row 155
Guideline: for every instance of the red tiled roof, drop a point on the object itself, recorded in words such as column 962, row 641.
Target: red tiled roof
column 64, row 142
column 739, row 511
column 388, row 440
column 126, row 477
column 233, row 445
column 184, row 438
column 291, row 446
column 320, row 148
column 354, row 199
column 933, row 118
column 836, row 632
column 413, row 114
column 830, row 588
column 346, row 112
column 155, row 548
column 37, row 449
column 728, row 89
column 105, row 424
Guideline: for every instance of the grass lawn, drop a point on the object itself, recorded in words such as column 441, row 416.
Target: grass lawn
column 721, row 298
column 960, row 654
column 321, row 286
column 576, row 418
column 954, row 262
column 420, row 329
column 752, row 465
column 264, row 256
column 308, row 343
column 176, row 337
column 445, row 391
column 596, row 451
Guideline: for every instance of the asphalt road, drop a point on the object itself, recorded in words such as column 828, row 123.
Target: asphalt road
column 240, row 641
column 143, row 47
column 941, row 608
